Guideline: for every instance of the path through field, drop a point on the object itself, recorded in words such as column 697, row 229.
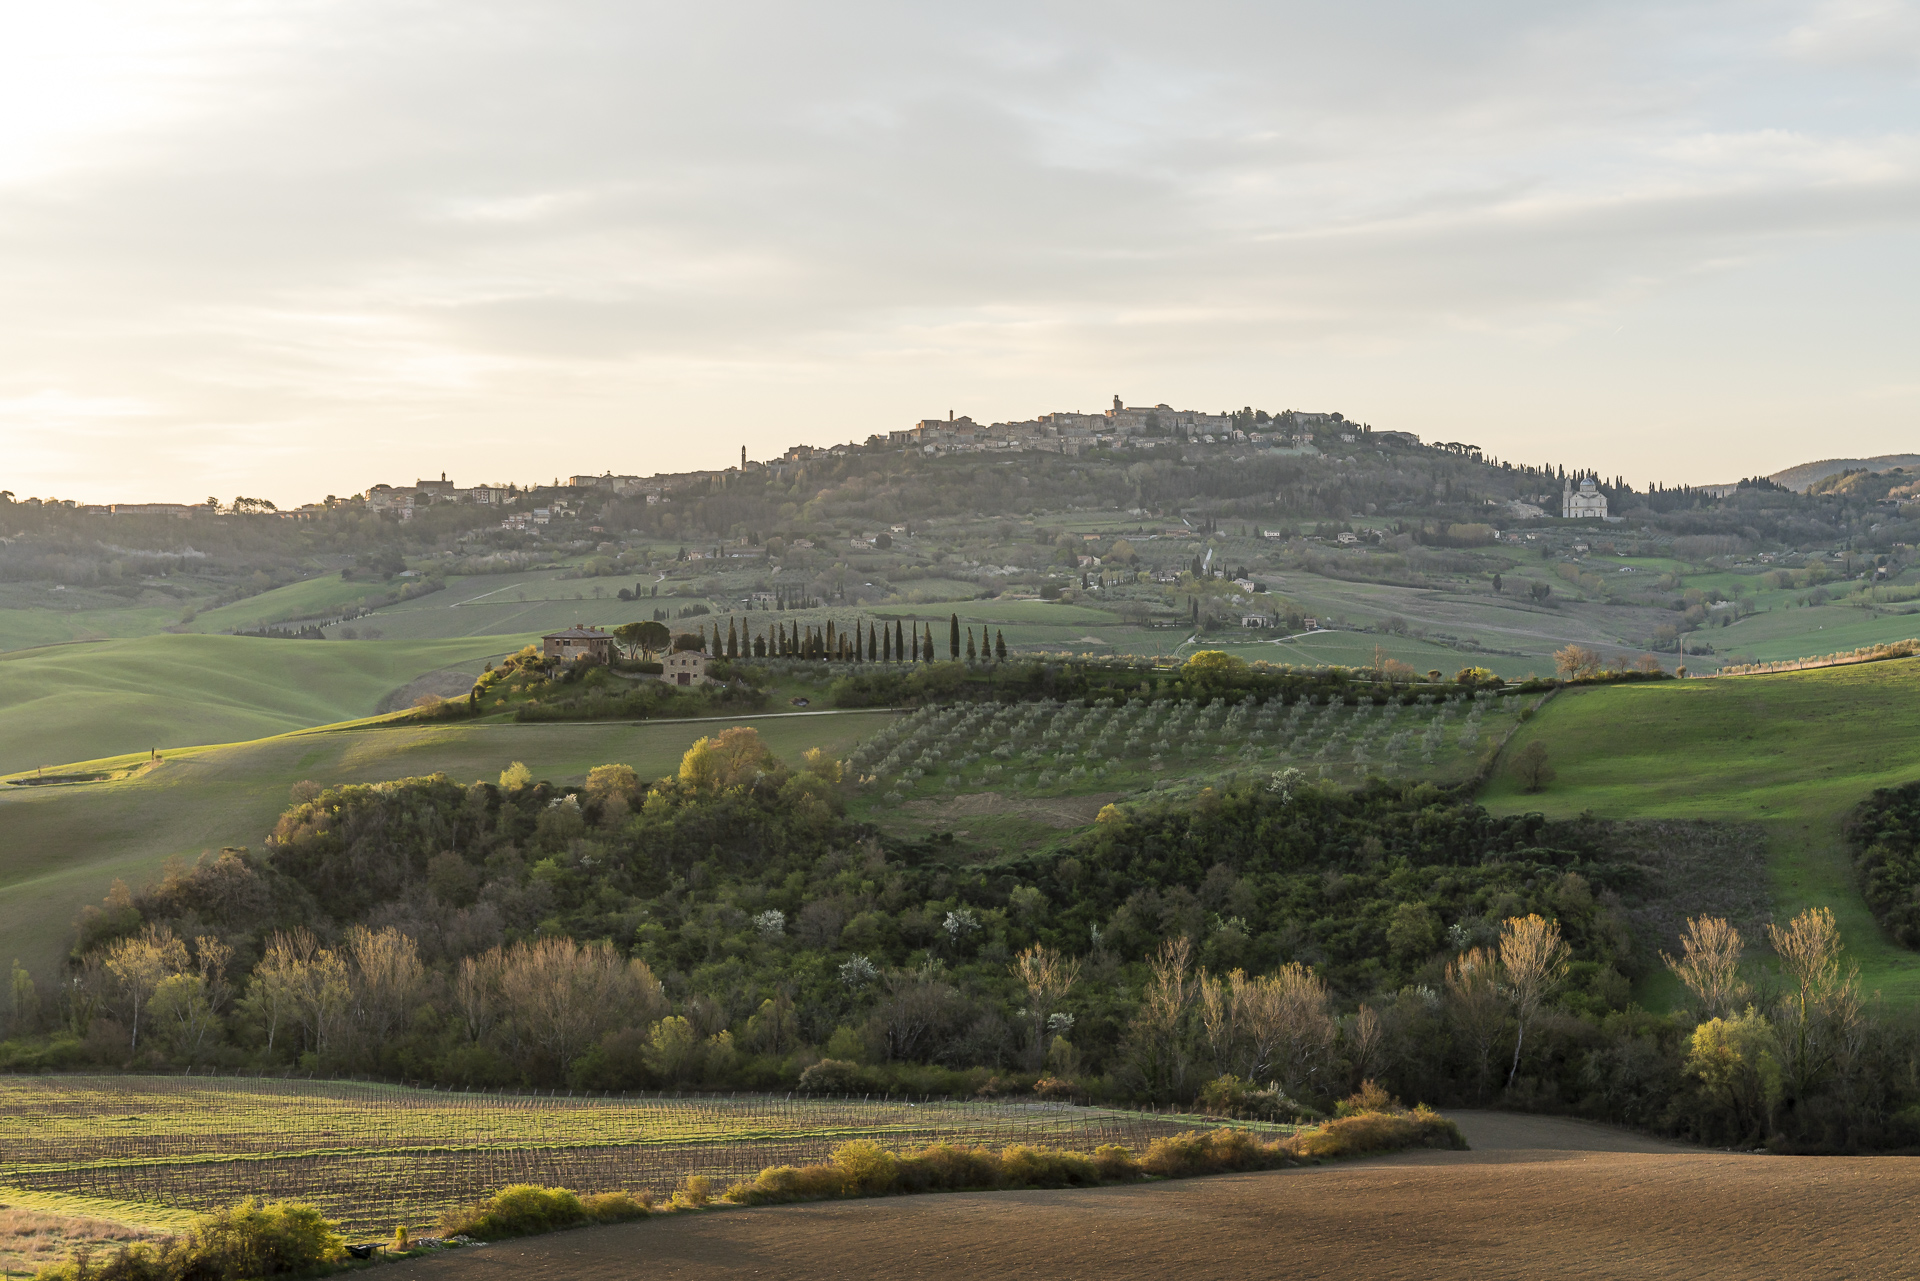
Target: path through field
column 1536, row 1197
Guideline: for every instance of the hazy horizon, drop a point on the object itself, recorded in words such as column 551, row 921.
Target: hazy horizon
column 299, row 249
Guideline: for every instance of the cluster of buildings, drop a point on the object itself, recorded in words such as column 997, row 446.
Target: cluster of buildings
column 1131, row 427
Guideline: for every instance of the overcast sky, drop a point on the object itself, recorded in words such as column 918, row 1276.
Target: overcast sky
column 296, row 247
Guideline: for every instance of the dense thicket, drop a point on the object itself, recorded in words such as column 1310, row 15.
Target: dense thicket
column 1886, row 840
column 1267, row 945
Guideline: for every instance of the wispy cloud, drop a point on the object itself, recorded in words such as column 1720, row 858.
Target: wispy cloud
column 344, row 241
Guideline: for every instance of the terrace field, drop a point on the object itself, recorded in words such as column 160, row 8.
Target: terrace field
column 371, row 1156
column 1793, row 751
column 62, row 846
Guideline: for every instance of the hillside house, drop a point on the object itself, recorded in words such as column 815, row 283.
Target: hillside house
column 576, row 643
column 685, row 667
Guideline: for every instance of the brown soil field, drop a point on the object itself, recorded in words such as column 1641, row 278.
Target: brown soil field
column 1537, row 1197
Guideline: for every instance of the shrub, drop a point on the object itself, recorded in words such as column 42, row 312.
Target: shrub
column 247, row 1239
column 694, row 1193
column 866, row 1167
column 526, row 1208
column 831, row 1076
column 1366, row 1132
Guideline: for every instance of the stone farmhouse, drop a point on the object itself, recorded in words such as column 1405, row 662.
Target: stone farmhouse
column 685, row 667
column 576, row 643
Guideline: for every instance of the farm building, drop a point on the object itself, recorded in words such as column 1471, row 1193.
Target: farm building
column 576, row 643
column 685, row 667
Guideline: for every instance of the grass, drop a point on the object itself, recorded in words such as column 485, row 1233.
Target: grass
column 316, row 597
column 1795, row 751
column 78, row 702
column 370, row 1156
column 1801, row 633
column 61, row 847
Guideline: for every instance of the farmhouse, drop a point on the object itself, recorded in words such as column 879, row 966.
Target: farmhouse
column 685, row 667
column 577, row 642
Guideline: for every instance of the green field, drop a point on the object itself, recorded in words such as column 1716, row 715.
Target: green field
column 313, row 598
column 1801, row 633
column 77, row 702
column 1795, row 751
column 372, row 1156
column 62, row 846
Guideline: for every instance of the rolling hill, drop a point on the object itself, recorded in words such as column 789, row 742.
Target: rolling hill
column 77, row 702
column 1794, row 752
column 62, row 846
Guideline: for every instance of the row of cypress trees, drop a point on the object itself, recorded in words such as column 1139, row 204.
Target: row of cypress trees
column 848, row 645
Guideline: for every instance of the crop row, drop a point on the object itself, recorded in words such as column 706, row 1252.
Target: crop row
column 371, row 1156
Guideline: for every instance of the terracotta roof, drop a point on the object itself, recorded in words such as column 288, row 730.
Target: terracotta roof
column 577, row 632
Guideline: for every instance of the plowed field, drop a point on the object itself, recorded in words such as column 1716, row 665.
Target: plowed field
column 1535, row 1198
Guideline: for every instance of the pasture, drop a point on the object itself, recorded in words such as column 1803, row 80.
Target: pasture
column 62, row 846
column 78, row 702
column 1795, row 751
column 370, row 1156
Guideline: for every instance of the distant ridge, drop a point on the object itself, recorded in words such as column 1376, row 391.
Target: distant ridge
column 1798, row 478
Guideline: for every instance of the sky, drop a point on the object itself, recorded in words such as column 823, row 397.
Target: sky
column 299, row 247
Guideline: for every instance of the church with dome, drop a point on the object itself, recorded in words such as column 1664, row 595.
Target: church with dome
column 1584, row 502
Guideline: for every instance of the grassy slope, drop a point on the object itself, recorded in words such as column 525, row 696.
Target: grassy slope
column 61, row 847
column 76, row 702
column 1796, row 751
column 315, row 597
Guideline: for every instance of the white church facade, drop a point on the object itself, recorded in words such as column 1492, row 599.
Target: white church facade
column 1583, row 503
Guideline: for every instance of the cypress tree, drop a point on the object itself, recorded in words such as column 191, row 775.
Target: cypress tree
column 733, row 641
column 926, row 649
column 1000, row 645
column 899, row 642
column 970, row 653
column 873, row 651
column 953, row 638
column 886, row 646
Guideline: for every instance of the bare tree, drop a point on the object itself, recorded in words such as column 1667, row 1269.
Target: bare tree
column 386, row 980
column 476, row 993
column 1709, row 965
column 1157, row 1038
column 1530, row 767
column 139, row 965
column 563, row 997
column 1574, row 661
column 1476, row 1004
column 917, row 1005
column 1535, row 959
column 1048, row 976
column 1286, row 1026
column 1366, row 1036
column 1821, row 1015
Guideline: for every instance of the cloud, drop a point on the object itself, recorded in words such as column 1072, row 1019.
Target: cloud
column 350, row 238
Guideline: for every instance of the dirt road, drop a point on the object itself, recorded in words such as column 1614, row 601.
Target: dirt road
column 1537, row 1197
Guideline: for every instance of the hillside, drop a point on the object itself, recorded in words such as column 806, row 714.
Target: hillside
column 1798, row 478
column 78, row 702
column 1792, row 752
column 62, row 846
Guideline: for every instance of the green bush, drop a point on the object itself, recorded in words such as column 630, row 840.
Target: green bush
column 246, row 1240
column 526, row 1208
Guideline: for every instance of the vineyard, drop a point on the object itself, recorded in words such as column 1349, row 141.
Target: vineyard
column 371, row 1156
column 1053, row 746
